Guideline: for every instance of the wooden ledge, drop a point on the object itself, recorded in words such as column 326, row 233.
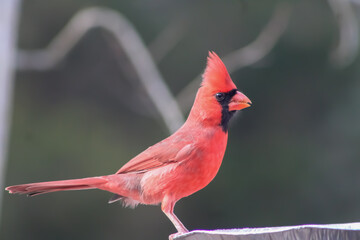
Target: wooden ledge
column 344, row 231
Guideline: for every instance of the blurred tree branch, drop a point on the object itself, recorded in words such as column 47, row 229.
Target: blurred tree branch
column 8, row 30
column 144, row 65
column 248, row 55
column 132, row 45
column 348, row 44
column 140, row 58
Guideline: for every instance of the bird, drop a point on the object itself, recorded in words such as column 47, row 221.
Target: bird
column 177, row 166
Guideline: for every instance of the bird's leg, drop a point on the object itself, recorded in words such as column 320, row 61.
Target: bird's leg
column 178, row 225
column 167, row 206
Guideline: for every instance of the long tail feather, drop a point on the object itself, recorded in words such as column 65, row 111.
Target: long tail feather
column 32, row 189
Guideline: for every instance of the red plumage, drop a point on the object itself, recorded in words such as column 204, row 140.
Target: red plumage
column 178, row 166
column 215, row 70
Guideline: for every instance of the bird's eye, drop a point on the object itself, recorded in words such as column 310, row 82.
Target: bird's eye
column 220, row 96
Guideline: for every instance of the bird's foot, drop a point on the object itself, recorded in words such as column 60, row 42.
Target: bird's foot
column 174, row 235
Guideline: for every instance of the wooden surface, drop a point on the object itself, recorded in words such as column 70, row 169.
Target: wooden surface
column 346, row 231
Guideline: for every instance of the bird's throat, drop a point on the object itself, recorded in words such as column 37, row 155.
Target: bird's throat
column 225, row 118
column 225, row 113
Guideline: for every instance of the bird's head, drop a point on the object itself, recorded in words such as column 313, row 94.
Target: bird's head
column 218, row 98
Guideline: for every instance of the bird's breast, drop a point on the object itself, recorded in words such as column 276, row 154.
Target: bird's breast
column 208, row 161
column 183, row 178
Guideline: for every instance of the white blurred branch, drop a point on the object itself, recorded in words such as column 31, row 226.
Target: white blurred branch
column 9, row 10
column 248, row 55
column 126, row 35
column 348, row 44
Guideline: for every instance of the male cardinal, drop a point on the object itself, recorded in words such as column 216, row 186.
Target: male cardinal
column 179, row 165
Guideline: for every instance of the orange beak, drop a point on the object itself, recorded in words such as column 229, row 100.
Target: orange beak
column 239, row 101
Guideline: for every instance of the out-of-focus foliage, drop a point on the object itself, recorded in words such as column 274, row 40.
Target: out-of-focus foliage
column 292, row 158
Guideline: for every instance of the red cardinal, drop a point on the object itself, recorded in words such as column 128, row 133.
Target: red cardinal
column 177, row 166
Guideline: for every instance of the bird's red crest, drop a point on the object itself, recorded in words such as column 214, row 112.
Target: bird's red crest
column 216, row 75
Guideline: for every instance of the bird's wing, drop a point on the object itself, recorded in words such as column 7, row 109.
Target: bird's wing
column 160, row 154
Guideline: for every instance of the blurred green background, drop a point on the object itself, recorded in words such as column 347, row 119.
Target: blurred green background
column 292, row 158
